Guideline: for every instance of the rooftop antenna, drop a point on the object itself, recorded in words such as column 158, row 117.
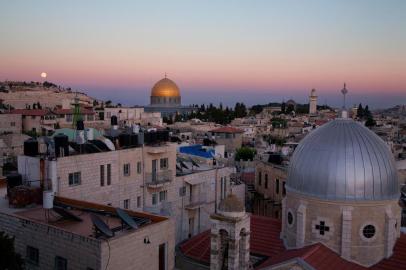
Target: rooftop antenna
column 166, row 75
column 344, row 113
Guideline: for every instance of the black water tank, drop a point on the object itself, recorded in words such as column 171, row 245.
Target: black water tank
column 61, row 145
column 133, row 139
column 31, row 147
column 113, row 120
column 13, row 180
column 124, row 140
column 80, row 125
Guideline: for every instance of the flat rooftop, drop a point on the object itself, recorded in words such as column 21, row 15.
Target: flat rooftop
column 78, row 219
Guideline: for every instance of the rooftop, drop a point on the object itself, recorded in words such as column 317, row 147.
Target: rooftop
column 265, row 241
column 78, row 219
column 227, row 130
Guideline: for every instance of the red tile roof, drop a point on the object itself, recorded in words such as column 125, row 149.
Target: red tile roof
column 70, row 111
column 227, row 130
column 264, row 230
column 265, row 241
column 32, row 112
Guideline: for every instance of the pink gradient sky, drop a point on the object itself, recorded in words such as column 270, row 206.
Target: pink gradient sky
column 260, row 49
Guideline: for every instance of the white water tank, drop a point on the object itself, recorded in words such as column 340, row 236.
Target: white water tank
column 48, row 199
column 89, row 134
column 136, row 128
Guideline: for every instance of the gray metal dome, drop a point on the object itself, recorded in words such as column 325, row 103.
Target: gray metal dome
column 343, row 160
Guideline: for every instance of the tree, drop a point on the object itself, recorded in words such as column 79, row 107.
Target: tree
column 370, row 122
column 10, row 259
column 360, row 111
column 245, row 153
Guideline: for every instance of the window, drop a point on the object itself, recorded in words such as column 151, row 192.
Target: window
column 154, row 198
column 139, row 201
column 90, row 117
column 126, row 169
column 162, row 195
column 283, row 188
column 182, row 191
column 322, row 228
column 164, row 163
column 32, row 255
column 266, row 180
column 127, row 204
column 290, row 218
column 139, row 168
column 61, row 263
column 277, row 186
column 74, row 178
column 259, row 178
column 101, row 175
column 13, row 124
column 68, row 118
column 368, row 231
column 108, row 174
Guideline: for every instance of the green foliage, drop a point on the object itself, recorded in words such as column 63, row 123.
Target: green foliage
column 245, row 153
column 279, row 123
column 9, row 258
column 370, row 122
column 218, row 115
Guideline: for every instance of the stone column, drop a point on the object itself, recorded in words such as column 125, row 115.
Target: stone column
column 244, row 250
column 390, row 232
column 346, row 233
column 300, row 225
column 233, row 254
column 214, row 251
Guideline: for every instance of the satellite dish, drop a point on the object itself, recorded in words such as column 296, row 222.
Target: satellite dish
column 126, row 218
column 101, row 226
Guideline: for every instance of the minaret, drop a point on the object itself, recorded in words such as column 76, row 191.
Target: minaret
column 313, row 102
column 230, row 236
column 344, row 113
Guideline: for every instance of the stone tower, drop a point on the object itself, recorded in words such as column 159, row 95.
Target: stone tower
column 313, row 102
column 230, row 236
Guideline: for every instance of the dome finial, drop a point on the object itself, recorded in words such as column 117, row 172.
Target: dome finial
column 165, row 75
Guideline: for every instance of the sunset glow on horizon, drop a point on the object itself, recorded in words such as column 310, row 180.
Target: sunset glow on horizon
column 272, row 49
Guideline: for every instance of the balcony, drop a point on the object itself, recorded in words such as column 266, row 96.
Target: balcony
column 163, row 208
column 197, row 201
column 158, row 179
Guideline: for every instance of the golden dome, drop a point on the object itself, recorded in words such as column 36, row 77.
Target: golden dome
column 165, row 88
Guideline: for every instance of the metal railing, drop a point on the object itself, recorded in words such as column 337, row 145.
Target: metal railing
column 158, row 178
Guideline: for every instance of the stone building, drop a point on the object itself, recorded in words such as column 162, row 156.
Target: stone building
column 270, row 180
column 230, row 236
column 68, row 237
column 10, row 123
column 340, row 174
column 37, row 120
column 341, row 208
column 230, row 137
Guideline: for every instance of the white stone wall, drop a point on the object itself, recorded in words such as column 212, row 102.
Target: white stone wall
column 346, row 221
column 10, row 123
column 80, row 252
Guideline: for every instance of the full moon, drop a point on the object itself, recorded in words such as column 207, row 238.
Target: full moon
column 43, row 75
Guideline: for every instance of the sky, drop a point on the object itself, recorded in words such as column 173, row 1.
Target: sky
column 216, row 51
